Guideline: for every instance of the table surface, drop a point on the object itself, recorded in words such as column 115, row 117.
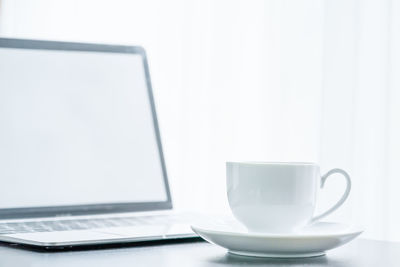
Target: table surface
column 360, row 252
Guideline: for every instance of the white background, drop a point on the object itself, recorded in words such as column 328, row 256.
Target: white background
column 304, row 80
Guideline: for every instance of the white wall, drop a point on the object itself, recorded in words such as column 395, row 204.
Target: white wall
column 274, row 80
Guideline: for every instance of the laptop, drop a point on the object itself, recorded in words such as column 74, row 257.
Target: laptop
column 81, row 161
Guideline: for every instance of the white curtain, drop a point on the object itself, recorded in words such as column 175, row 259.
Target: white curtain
column 361, row 97
column 273, row 80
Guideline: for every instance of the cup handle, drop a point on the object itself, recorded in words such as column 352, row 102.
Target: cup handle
column 341, row 200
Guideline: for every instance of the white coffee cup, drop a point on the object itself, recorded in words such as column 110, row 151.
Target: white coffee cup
column 277, row 197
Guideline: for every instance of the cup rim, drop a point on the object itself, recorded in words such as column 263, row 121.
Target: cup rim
column 274, row 163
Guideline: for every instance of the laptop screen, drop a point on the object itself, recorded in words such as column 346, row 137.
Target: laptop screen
column 77, row 128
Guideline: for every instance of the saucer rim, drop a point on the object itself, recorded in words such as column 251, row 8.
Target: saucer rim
column 353, row 230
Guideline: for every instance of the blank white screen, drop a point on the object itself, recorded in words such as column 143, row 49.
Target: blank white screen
column 76, row 128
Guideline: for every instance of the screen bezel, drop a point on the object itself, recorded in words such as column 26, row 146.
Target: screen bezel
column 66, row 210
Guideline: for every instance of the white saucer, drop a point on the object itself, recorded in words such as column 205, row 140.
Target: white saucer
column 311, row 241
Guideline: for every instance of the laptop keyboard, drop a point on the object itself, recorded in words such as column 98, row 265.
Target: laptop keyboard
column 82, row 224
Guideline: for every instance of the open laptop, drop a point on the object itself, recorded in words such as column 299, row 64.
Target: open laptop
column 81, row 161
